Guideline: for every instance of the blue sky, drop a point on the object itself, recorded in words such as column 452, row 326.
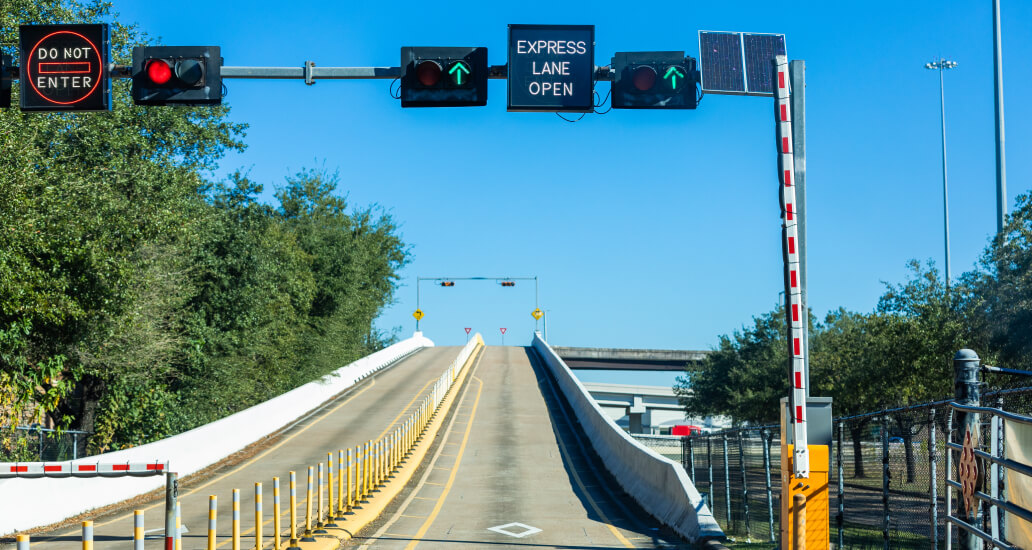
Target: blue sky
column 647, row 229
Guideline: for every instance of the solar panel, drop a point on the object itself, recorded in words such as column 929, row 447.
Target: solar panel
column 720, row 55
column 760, row 50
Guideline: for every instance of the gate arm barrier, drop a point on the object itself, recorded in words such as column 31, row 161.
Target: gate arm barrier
column 81, row 469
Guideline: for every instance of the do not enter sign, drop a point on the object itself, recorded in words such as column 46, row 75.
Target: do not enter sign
column 64, row 68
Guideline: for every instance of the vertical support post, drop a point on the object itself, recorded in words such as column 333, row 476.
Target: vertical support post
column 885, row 480
column 933, row 485
column 995, row 436
column 1002, row 472
column 727, row 483
column 691, row 457
column 797, row 79
column 709, row 465
column 275, row 514
column 793, row 290
column 213, row 504
column 967, row 392
column 1001, row 157
column 75, row 445
column 840, row 518
column 293, row 510
column 87, row 535
column 258, row 516
column 171, row 495
column 745, row 486
column 949, row 475
column 767, row 436
column 137, row 529
column 235, row 534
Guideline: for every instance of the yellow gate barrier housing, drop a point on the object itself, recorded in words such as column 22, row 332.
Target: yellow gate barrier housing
column 814, row 506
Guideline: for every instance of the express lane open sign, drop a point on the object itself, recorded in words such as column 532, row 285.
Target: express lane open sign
column 64, row 68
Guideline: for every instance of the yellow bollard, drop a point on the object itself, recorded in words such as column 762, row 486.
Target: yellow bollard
column 23, row 542
column 258, row 516
column 87, row 535
column 293, row 509
column 236, row 519
column 275, row 514
column 331, row 511
column 213, row 503
column 319, row 500
column 341, row 505
column 347, row 489
column 179, row 525
column 137, row 529
column 308, row 509
column 368, row 462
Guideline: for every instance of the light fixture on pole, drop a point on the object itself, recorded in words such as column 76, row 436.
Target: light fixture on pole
column 942, row 65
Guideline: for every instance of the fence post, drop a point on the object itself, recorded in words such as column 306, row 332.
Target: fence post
column 767, row 436
column 967, row 392
column 171, row 495
column 745, row 485
column 1002, row 472
column 949, row 470
column 691, row 457
column 933, row 486
column 727, row 483
column 840, row 518
column 709, row 466
column 75, row 445
column 885, row 479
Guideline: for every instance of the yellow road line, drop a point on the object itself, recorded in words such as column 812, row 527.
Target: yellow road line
column 451, row 479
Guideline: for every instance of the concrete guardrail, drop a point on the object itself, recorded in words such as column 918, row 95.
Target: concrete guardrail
column 656, row 483
column 28, row 503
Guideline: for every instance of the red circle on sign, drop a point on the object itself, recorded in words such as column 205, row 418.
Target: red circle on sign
column 96, row 80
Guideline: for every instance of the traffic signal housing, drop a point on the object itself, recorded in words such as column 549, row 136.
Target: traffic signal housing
column 508, row 283
column 654, row 80
column 177, row 75
column 5, row 81
column 443, row 77
column 447, row 283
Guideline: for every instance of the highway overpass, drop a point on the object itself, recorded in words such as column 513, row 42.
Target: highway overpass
column 628, row 359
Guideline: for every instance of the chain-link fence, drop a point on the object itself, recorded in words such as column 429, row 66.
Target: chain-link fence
column 35, row 443
column 887, row 474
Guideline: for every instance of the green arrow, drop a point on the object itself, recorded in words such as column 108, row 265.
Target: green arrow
column 458, row 69
column 673, row 79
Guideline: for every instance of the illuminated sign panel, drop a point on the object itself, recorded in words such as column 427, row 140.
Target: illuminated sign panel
column 64, row 68
column 551, row 68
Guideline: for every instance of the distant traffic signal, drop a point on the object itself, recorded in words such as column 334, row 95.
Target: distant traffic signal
column 508, row 283
column 447, row 283
column 177, row 75
column 443, row 77
column 654, row 80
column 5, row 81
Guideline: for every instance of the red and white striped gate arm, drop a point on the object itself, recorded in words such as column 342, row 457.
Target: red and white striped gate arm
column 81, row 469
column 790, row 234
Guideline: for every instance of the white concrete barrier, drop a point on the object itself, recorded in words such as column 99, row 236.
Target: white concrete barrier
column 656, row 483
column 28, row 503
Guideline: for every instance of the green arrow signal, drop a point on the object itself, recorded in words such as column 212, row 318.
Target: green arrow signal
column 457, row 70
column 673, row 73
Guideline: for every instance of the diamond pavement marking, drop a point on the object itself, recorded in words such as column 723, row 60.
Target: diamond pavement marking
column 527, row 530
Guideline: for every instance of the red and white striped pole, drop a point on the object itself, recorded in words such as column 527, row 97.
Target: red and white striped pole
column 793, row 290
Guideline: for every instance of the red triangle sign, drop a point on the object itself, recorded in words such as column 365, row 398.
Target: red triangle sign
column 467, row 330
column 503, row 330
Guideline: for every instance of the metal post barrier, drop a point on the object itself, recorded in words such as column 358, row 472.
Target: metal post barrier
column 307, row 536
column 885, row 480
column 293, row 511
column 137, row 529
column 275, row 514
column 765, row 435
column 745, row 485
column 213, row 503
column 171, row 495
column 840, row 518
column 23, row 542
column 87, row 535
column 258, row 516
column 727, row 483
column 799, row 521
column 933, row 486
column 709, row 466
column 236, row 520
column 967, row 392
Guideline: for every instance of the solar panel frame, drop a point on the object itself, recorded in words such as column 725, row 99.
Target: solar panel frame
column 758, row 50
column 727, row 82
column 745, row 64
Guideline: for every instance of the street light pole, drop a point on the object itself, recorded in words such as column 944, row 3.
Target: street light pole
column 941, row 65
column 1001, row 162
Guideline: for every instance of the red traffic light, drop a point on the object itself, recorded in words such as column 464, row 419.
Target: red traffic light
column 644, row 78
column 508, row 283
column 159, row 71
column 428, row 73
column 447, row 283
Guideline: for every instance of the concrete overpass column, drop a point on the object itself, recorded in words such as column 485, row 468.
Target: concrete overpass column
column 635, row 415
